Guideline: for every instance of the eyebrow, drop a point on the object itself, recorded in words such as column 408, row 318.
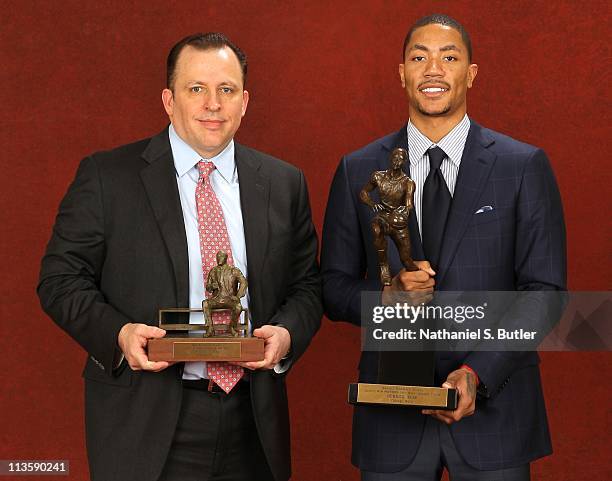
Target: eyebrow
column 200, row 82
column 445, row 48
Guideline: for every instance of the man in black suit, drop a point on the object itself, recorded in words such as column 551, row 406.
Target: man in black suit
column 127, row 241
column 487, row 217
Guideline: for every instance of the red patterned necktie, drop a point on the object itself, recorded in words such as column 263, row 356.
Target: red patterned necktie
column 214, row 238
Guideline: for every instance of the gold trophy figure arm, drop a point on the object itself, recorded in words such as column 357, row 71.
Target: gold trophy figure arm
column 410, row 188
column 364, row 195
column 211, row 282
column 243, row 284
column 410, row 194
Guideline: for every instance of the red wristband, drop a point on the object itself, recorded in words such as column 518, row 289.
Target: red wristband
column 465, row 366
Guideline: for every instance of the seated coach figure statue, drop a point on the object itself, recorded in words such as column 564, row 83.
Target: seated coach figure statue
column 227, row 285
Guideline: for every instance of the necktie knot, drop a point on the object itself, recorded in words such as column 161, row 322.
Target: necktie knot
column 205, row 168
column 436, row 156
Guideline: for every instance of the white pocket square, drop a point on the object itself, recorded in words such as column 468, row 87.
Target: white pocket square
column 484, row 208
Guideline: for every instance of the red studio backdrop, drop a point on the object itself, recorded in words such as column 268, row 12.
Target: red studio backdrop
column 84, row 76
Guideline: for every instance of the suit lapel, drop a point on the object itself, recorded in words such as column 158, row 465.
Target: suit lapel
column 159, row 179
column 254, row 198
column 475, row 168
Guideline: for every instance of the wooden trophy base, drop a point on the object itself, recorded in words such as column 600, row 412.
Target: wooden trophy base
column 179, row 345
column 206, row 349
column 404, row 379
column 400, row 395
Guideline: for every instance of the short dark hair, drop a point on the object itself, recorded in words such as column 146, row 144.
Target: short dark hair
column 203, row 41
column 440, row 19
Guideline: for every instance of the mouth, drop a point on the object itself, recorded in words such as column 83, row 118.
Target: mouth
column 434, row 91
column 211, row 124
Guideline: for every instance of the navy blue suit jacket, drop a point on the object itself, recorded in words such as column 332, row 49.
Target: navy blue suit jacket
column 519, row 245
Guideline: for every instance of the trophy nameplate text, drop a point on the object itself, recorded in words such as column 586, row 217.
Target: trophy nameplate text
column 400, row 395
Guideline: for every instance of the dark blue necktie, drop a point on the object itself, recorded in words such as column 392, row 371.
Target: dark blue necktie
column 435, row 206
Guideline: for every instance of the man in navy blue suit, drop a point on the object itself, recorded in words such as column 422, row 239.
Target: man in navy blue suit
column 487, row 217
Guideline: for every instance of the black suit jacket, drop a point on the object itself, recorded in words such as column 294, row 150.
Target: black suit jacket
column 518, row 245
column 118, row 253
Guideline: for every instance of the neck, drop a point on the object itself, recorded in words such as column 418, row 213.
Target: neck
column 435, row 128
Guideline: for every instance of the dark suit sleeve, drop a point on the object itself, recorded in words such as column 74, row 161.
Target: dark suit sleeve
column 343, row 256
column 72, row 266
column 301, row 311
column 540, row 265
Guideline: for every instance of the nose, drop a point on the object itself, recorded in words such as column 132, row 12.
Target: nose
column 434, row 68
column 212, row 102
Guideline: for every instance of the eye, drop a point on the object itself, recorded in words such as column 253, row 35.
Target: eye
column 196, row 89
column 226, row 90
column 450, row 58
column 418, row 58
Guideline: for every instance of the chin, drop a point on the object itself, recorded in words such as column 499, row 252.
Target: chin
column 435, row 112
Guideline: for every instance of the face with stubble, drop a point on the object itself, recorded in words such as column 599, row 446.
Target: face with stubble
column 436, row 72
column 206, row 100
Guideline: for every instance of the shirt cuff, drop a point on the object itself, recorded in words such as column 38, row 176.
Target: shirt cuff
column 118, row 359
column 282, row 366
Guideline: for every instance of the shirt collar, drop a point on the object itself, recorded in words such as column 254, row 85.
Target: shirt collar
column 452, row 143
column 185, row 158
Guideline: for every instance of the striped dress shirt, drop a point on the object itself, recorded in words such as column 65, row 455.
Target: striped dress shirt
column 452, row 144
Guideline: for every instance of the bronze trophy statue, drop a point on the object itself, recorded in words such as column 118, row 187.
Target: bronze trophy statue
column 183, row 343
column 396, row 191
column 404, row 378
column 227, row 285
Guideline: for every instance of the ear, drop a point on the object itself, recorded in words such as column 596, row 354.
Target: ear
column 245, row 101
column 401, row 74
column 168, row 101
column 472, row 71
